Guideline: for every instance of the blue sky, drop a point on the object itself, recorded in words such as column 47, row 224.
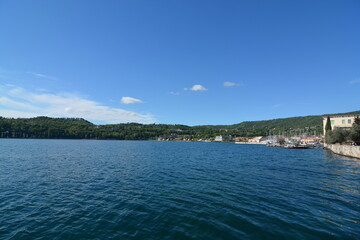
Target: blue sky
column 187, row 62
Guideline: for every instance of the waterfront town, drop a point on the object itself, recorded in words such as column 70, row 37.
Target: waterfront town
column 296, row 138
column 340, row 135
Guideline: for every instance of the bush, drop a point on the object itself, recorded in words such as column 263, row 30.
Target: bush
column 338, row 135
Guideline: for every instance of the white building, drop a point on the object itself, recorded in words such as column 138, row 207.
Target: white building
column 222, row 138
column 345, row 121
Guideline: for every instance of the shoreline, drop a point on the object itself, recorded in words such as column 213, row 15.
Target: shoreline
column 344, row 150
column 250, row 143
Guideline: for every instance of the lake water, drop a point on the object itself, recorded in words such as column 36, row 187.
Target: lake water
column 78, row 189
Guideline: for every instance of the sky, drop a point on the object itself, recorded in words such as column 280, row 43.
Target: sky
column 189, row 62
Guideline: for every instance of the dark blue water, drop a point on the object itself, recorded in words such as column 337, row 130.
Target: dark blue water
column 75, row 189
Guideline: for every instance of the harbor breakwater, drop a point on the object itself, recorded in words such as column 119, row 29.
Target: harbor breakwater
column 345, row 150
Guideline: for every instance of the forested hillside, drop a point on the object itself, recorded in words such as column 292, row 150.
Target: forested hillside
column 77, row 128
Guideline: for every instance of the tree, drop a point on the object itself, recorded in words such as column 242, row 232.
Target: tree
column 355, row 131
column 281, row 141
column 328, row 125
column 329, row 137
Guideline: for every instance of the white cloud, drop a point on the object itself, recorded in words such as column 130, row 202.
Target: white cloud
column 17, row 114
column 18, row 102
column 7, row 102
column 130, row 100
column 354, row 81
column 197, row 87
column 232, row 84
column 174, row 93
column 40, row 75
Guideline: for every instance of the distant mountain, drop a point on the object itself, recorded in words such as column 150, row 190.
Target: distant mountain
column 78, row 128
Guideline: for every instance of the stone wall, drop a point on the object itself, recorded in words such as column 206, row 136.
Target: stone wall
column 345, row 150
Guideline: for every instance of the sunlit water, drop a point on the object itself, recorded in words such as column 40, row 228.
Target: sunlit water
column 78, row 189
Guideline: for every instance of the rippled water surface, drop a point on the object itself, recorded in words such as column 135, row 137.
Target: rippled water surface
column 78, row 189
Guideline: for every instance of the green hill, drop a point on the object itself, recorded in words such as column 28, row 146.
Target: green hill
column 283, row 124
column 252, row 128
column 78, row 128
column 312, row 124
